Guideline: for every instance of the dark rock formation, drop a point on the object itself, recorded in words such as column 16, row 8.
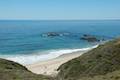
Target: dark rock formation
column 89, row 38
column 52, row 34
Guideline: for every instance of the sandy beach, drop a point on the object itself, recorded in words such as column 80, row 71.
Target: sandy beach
column 50, row 67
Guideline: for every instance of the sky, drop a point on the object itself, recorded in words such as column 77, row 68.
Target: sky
column 59, row 9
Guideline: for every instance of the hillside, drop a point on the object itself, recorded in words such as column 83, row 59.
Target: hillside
column 13, row 71
column 101, row 63
column 115, row 75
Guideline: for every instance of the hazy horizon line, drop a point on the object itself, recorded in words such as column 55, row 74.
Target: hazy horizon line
column 52, row 19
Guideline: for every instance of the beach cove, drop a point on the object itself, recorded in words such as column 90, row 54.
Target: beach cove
column 50, row 67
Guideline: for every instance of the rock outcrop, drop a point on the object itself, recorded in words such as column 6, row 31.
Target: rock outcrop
column 89, row 38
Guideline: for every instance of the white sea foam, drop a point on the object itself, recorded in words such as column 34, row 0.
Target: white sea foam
column 29, row 59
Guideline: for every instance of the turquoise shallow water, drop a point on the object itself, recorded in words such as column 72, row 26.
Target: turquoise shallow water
column 23, row 38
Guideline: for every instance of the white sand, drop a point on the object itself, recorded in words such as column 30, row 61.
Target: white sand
column 50, row 67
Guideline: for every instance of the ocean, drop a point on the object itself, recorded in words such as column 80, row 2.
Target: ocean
column 23, row 41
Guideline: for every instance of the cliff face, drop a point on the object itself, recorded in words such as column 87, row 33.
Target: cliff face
column 101, row 61
column 13, row 71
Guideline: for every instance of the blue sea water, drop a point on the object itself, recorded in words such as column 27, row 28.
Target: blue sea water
column 21, row 40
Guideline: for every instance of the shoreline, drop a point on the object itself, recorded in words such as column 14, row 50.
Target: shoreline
column 42, row 56
column 49, row 67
